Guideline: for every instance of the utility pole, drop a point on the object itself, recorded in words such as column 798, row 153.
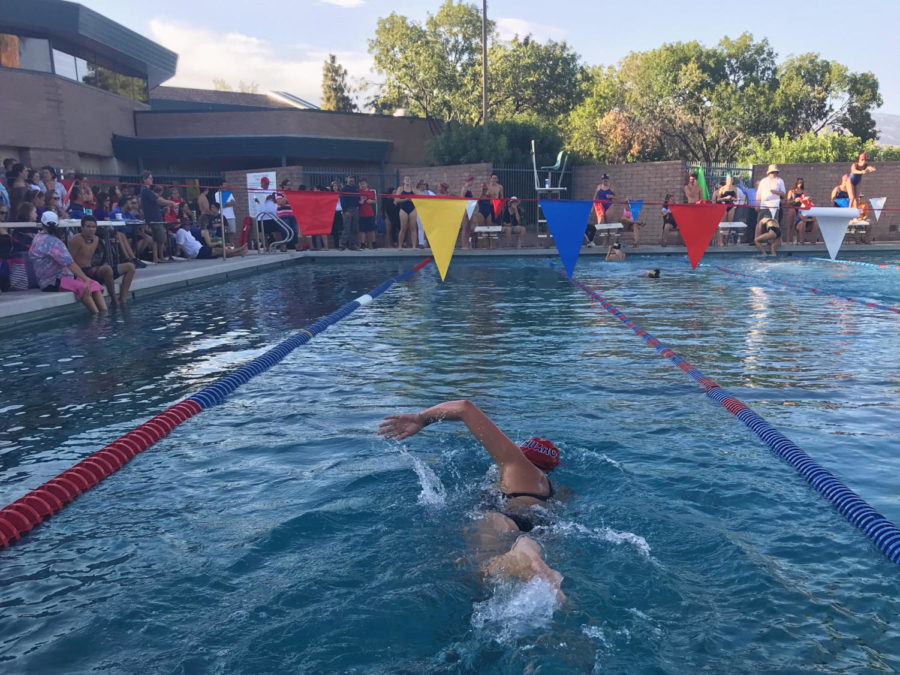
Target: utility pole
column 484, row 67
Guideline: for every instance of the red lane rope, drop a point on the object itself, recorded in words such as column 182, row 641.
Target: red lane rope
column 38, row 505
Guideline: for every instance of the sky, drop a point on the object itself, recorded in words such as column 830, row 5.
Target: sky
column 281, row 44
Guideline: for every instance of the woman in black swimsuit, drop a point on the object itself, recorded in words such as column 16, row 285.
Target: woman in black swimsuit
column 770, row 233
column 523, row 484
column 407, row 212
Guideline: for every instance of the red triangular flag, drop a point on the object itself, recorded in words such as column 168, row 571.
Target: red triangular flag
column 599, row 210
column 313, row 209
column 697, row 223
column 498, row 207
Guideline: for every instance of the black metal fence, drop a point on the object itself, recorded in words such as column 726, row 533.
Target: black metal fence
column 518, row 181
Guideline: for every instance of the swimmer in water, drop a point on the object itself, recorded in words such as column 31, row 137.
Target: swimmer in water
column 523, row 484
column 615, row 252
column 652, row 274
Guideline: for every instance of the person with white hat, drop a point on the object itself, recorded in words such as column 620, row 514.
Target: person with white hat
column 769, row 194
column 56, row 270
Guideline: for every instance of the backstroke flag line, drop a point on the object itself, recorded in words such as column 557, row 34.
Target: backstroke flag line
column 470, row 207
column 567, row 221
column 314, row 210
column 599, row 210
column 441, row 219
column 832, row 224
column 877, row 204
column 697, row 224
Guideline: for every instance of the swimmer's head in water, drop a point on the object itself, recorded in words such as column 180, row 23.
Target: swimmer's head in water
column 654, row 273
column 541, row 452
column 617, row 245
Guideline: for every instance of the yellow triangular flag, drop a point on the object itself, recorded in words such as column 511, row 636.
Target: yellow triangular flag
column 441, row 219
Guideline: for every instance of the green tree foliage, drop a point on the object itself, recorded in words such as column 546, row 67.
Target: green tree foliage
column 219, row 84
column 431, row 70
column 688, row 101
column 812, row 147
column 434, row 70
column 507, row 142
column 526, row 76
column 335, row 88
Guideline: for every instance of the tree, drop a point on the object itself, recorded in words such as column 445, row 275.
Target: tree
column 812, row 147
column 219, row 84
column 529, row 77
column 335, row 87
column 507, row 142
column 431, row 70
column 688, row 101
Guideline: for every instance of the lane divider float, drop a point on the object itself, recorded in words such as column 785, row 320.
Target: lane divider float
column 810, row 289
column 849, row 262
column 25, row 513
column 883, row 533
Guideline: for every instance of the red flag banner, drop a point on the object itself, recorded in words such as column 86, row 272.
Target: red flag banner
column 697, row 223
column 313, row 209
column 599, row 210
column 498, row 207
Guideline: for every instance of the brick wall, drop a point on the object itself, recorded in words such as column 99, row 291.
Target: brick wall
column 56, row 120
column 408, row 134
column 820, row 179
column 649, row 181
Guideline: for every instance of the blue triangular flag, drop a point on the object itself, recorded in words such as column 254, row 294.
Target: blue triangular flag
column 635, row 205
column 843, row 202
column 567, row 221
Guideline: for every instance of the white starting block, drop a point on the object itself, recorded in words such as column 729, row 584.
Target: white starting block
column 490, row 231
column 735, row 229
column 609, row 228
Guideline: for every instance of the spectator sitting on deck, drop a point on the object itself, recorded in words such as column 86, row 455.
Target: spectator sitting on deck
column 512, row 223
column 57, row 271
column 191, row 248
column 98, row 258
column 669, row 224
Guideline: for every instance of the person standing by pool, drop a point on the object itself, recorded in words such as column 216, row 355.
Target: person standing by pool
column 857, row 170
column 692, row 191
column 769, row 194
column 523, row 484
column 408, row 221
column 465, row 230
column 841, row 190
column 770, row 233
column 603, row 195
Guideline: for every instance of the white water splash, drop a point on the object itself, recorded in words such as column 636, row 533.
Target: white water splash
column 616, row 464
column 606, row 534
column 433, row 491
column 595, row 633
column 515, row 609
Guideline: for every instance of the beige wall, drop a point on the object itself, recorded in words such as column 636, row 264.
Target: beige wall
column 820, row 179
column 408, row 134
column 56, row 121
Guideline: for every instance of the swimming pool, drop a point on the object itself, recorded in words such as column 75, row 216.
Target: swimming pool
column 276, row 532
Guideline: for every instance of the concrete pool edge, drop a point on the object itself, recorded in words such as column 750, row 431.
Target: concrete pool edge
column 20, row 309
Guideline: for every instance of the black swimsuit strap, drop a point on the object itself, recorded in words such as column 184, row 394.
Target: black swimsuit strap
column 543, row 498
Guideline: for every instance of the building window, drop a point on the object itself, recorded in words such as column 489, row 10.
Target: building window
column 24, row 52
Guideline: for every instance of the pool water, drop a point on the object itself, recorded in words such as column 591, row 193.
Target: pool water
column 278, row 533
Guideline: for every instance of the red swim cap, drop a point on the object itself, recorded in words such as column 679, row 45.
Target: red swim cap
column 541, row 452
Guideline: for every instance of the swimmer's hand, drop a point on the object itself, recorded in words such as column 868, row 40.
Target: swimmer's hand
column 401, row 426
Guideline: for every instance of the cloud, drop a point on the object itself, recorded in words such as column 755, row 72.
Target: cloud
column 507, row 27
column 204, row 55
column 345, row 3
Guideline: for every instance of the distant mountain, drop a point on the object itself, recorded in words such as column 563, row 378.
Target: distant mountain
column 888, row 128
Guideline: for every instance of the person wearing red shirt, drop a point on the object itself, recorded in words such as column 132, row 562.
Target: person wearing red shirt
column 366, row 215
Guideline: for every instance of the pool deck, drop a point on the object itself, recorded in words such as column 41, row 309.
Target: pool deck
column 19, row 308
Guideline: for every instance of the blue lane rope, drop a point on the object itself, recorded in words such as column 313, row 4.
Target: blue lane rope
column 880, row 266
column 216, row 392
column 810, row 289
column 883, row 533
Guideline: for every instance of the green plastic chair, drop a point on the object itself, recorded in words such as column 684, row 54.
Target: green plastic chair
column 559, row 161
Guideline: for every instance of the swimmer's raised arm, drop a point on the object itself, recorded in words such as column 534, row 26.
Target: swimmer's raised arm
column 498, row 444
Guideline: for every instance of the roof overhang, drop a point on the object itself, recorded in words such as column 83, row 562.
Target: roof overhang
column 175, row 148
column 85, row 33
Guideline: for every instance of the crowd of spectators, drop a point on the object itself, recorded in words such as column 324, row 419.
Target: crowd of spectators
column 87, row 259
